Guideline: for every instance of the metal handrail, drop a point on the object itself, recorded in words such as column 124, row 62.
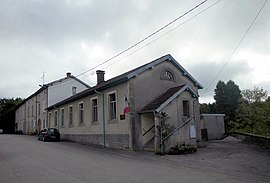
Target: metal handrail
column 183, row 124
column 148, row 130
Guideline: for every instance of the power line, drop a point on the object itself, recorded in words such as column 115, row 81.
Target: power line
column 165, row 33
column 237, row 46
column 138, row 49
column 147, row 37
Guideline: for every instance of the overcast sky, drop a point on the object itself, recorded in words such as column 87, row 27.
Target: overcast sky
column 76, row 35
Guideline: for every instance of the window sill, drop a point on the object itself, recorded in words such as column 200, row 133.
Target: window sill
column 95, row 123
column 70, row 126
column 81, row 124
column 113, row 121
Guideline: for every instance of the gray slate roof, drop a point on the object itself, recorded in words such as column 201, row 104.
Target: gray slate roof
column 156, row 103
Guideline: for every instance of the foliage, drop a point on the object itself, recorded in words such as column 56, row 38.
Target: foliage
column 208, row 108
column 7, row 114
column 227, row 96
column 183, row 149
column 253, row 118
column 255, row 95
column 164, row 130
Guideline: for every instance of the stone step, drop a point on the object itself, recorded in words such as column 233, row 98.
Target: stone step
column 150, row 145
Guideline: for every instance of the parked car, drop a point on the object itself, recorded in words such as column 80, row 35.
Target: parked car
column 49, row 134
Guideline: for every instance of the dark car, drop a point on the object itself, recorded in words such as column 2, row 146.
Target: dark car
column 49, row 134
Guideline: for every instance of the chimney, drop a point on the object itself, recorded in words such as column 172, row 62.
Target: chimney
column 68, row 74
column 100, row 76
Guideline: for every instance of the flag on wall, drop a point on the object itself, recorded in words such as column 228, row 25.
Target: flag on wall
column 127, row 108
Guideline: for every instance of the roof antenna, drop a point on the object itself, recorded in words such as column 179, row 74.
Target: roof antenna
column 43, row 76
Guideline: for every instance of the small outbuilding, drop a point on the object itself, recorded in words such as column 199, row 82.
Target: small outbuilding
column 212, row 126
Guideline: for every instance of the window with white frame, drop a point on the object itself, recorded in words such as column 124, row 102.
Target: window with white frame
column 81, row 115
column 112, row 106
column 94, row 110
column 70, row 115
column 55, row 118
column 62, row 117
column 74, row 90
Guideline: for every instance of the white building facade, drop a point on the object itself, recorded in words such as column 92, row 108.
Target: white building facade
column 31, row 115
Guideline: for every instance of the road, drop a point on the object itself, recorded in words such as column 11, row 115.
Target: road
column 24, row 159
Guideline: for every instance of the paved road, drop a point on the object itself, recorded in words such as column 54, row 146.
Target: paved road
column 24, row 159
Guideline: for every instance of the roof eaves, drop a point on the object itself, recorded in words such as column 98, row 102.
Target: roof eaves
column 80, row 81
column 185, row 88
column 185, row 72
column 87, row 92
column 158, row 61
column 148, row 66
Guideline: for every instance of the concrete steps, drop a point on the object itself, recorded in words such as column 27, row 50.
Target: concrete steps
column 150, row 145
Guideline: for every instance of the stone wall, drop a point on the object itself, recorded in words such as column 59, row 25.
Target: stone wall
column 119, row 141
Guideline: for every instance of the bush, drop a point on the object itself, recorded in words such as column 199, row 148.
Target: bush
column 183, row 149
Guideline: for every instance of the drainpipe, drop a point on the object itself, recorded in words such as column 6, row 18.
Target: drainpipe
column 156, row 133
column 103, row 117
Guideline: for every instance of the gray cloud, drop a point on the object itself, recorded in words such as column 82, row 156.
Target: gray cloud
column 207, row 72
column 49, row 35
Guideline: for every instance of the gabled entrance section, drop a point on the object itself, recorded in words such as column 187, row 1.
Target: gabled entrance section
column 179, row 106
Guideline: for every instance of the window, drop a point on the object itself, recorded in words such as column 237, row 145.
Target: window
column 32, row 110
column 38, row 108
column 94, row 110
column 55, row 118
column 50, row 120
column 70, row 115
column 167, row 74
column 81, row 113
column 62, row 117
column 27, row 111
column 112, row 103
column 73, row 90
column 186, row 108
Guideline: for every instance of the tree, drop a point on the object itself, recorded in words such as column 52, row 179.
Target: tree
column 7, row 114
column 253, row 118
column 227, row 98
column 207, row 108
column 255, row 95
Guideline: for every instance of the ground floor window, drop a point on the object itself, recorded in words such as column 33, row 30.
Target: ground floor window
column 112, row 106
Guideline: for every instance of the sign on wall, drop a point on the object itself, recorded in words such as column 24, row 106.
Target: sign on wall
column 192, row 130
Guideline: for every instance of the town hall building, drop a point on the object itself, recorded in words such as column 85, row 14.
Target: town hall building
column 127, row 111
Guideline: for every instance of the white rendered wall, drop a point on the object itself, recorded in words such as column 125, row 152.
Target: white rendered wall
column 62, row 90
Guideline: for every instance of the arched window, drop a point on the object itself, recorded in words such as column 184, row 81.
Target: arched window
column 167, row 74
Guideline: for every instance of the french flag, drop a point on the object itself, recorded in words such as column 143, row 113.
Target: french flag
column 127, row 108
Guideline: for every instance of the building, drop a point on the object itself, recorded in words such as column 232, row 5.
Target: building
column 212, row 126
column 126, row 111
column 31, row 114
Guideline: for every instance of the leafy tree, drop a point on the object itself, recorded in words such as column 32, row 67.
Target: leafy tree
column 227, row 96
column 253, row 118
column 255, row 95
column 7, row 114
column 208, row 108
